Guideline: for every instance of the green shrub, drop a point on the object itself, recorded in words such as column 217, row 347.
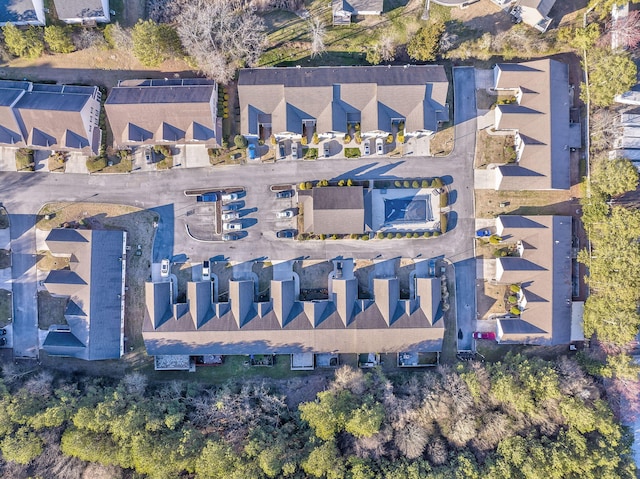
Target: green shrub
column 308, row 185
column 444, row 199
column 323, row 183
column 443, row 222
column 240, row 141
column 214, row 152
column 23, row 43
column 24, row 160
column 316, row 138
column 398, row 235
column 353, row 236
column 347, row 139
column 358, row 138
column 514, row 288
column 302, row 186
column 389, row 235
column 415, row 184
column 390, row 138
column 341, row 183
column 59, row 39
column 96, row 163
column 352, row 152
column 380, row 235
column 397, row 184
column 303, row 141
column 364, row 237
column 495, row 239
column 406, row 184
column 416, row 235
column 334, row 237
column 311, row 154
column 427, row 234
column 515, row 311
column 349, row 182
column 323, row 236
column 512, row 300
column 436, row 183
column 435, row 234
column 425, row 184
column 165, row 164
column 408, row 235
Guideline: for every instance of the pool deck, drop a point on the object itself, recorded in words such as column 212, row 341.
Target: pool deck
column 378, row 213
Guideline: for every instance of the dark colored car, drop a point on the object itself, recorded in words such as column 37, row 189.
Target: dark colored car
column 284, row 194
column 230, row 237
column 3, row 341
column 3, row 332
column 286, row 234
column 148, row 156
column 484, row 335
column 281, row 151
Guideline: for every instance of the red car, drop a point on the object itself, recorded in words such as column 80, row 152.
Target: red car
column 484, row 335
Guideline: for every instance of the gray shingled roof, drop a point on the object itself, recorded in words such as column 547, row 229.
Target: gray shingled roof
column 71, row 9
column 20, row 11
column 94, row 287
column 145, row 112
column 542, row 117
column 544, row 273
column 332, row 95
column 335, row 210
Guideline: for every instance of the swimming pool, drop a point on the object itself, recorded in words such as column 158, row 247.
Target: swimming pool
column 407, row 210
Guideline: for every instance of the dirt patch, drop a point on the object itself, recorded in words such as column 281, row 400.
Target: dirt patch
column 568, row 12
column 362, row 270
column 50, row 310
column 223, row 271
column 490, row 299
column 498, row 149
column 314, row 279
column 441, row 143
column 299, row 390
column 183, row 272
column 93, row 66
column 47, row 262
column 524, row 203
column 140, row 230
column 6, row 309
column 484, row 16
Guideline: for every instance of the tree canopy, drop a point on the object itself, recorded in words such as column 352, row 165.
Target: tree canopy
column 610, row 73
column 423, row 46
column 154, row 43
column 23, row 43
column 221, row 36
column 58, row 39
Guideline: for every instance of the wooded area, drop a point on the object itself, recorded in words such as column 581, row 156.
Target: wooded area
column 521, row 418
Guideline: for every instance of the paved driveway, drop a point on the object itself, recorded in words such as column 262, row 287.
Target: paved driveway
column 23, row 194
column 25, row 285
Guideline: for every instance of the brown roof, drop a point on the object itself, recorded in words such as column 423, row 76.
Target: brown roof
column 331, row 96
column 150, row 112
column 334, row 210
column 541, row 119
column 544, row 273
column 43, row 116
column 343, row 323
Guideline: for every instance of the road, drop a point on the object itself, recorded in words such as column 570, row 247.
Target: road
column 162, row 191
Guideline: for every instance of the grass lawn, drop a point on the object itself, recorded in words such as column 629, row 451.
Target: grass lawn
column 289, row 40
column 497, row 149
column 50, row 310
column 47, row 262
column 441, row 143
column 523, row 203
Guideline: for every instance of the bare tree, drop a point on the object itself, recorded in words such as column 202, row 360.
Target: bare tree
column 411, row 440
column 221, row 36
column 318, row 33
column 625, row 31
column 349, row 378
column 135, row 383
column 605, row 128
column 40, row 385
column 118, row 37
column 437, row 451
column 89, row 38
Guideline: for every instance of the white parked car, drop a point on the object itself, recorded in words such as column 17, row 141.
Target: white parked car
column 231, row 226
column 284, row 214
column 229, row 196
column 294, row 151
column 379, row 146
column 164, row 268
column 230, row 215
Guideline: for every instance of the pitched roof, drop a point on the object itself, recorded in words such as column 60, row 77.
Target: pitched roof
column 83, row 9
column 95, row 287
column 21, row 12
column 356, row 6
column 541, row 118
column 335, row 210
column 544, row 273
column 331, row 96
column 49, row 116
column 286, row 325
column 152, row 111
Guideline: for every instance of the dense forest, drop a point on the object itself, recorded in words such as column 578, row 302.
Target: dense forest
column 520, row 418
